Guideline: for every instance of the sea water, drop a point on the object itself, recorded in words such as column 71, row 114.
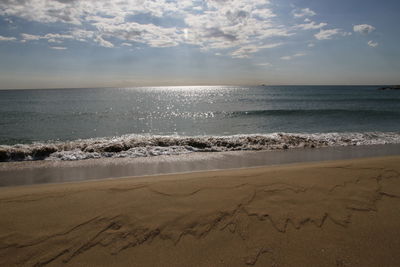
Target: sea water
column 70, row 124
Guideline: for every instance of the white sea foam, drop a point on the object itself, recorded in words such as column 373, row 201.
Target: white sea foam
column 133, row 146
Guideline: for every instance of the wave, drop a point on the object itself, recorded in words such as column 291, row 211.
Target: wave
column 319, row 112
column 133, row 146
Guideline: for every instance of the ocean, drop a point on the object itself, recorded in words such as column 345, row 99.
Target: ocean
column 72, row 124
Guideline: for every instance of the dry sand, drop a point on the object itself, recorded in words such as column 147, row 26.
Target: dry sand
column 340, row 213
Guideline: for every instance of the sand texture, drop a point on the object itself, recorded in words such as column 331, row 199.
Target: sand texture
column 339, row 213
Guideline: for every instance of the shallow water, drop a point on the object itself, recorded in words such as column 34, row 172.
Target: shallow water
column 40, row 172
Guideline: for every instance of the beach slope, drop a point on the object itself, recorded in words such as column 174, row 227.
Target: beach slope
column 338, row 213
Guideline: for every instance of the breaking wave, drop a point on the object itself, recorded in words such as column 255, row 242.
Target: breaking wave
column 133, row 146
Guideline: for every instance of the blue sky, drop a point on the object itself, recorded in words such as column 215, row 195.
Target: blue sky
column 85, row 43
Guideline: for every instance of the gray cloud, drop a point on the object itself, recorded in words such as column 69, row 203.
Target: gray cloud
column 218, row 33
column 363, row 28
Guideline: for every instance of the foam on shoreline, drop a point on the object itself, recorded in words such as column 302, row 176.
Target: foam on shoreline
column 134, row 146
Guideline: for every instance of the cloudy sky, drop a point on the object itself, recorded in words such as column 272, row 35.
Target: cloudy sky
column 87, row 43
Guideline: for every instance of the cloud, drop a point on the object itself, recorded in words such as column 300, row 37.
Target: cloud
column 305, row 12
column 58, row 38
column 104, row 43
column 232, row 23
column 149, row 34
column 372, row 43
column 7, row 39
column 293, row 56
column 311, row 45
column 212, row 24
column 329, row 34
column 363, row 28
column 311, row 25
column 239, row 28
column 245, row 51
column 58, row 47
column 265, row 64
column 30, row 37
column 78, row 11
column 263, row 13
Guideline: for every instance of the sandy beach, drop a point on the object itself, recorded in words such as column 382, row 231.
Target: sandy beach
column 336, row 213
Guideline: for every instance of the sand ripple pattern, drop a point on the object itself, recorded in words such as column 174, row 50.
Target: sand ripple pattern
column 252, row 205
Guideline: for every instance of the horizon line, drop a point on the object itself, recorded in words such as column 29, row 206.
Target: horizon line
column 198, row 85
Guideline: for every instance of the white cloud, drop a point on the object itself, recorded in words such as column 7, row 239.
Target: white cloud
column 263, row 13
column 373, row 44
column 304, row 12
column 311, row 25
column 311, row 45
column 104, row 43
column 198, row 8
column 126, row 44
column 82, row 35
column 58, row 47
column 78, row 11
column 54, row 41
column 7, row 39
column 234, row 23
column 212, row 24
column 30, row 37
column 240, row 28
column 57, row 38
column 363, row 28
column 293, row 56
column 329, row 34
column 265, row 64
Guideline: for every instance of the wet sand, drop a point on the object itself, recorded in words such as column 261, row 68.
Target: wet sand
column 338, row 213
column 41, row 172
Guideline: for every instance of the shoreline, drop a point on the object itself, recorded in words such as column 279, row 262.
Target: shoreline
column 42, row 172
column 137, row 146
column 305, row 214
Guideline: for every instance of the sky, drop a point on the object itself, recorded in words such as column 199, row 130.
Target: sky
column 122, row 43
